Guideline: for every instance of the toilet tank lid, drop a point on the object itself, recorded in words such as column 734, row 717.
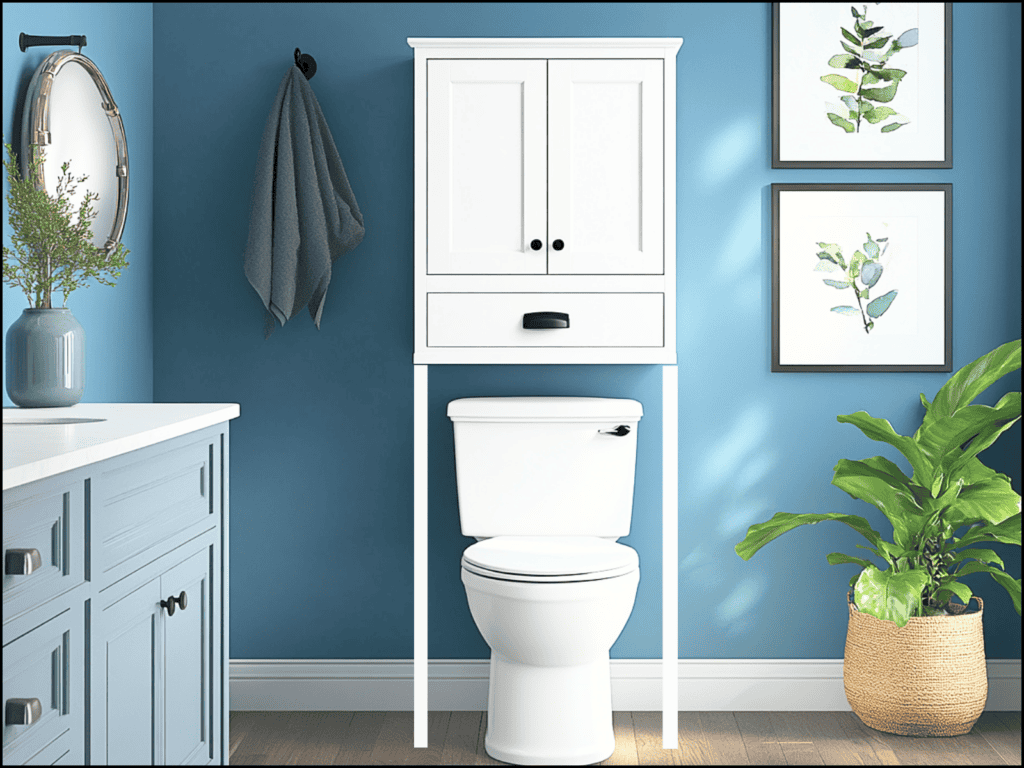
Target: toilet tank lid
column 544, row 409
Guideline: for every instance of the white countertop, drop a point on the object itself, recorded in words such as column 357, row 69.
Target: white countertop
column 33, row 451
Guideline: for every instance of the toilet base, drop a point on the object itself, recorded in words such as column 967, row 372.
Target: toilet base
column 549, row 715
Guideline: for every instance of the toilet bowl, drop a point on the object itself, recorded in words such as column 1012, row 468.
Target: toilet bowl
column 546, row 486
column 549, row 700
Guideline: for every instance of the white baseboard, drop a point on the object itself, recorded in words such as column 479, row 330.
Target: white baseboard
column 741, row 685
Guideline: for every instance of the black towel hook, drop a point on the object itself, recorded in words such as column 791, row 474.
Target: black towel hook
column 28, row 41
column 306, row 63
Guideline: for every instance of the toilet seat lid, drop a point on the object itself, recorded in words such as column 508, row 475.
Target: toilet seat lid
column 550, row 557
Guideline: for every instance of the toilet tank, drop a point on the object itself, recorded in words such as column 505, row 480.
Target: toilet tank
column 545, row 466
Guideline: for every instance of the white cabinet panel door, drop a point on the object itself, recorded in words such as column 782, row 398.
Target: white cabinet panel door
column 605, row 166
column 486, row 149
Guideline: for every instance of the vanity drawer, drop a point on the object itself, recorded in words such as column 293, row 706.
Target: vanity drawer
column 496, row 319
column 44, row 534
column 43, row 672
column 143, row 500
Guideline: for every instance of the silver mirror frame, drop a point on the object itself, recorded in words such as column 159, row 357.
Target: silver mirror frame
column 35, row 127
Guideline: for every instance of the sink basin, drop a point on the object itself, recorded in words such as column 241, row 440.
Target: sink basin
column 41, row 420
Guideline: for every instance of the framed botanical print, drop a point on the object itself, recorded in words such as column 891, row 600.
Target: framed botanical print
column 862, row 86
column 862, row 277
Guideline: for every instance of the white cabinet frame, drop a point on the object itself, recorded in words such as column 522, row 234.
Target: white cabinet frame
column 436, row 281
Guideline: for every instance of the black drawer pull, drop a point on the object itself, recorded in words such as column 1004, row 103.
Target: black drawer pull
column 546, row 320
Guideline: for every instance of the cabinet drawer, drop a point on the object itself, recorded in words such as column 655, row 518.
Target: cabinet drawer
column 143, row 501
column 44, row 666
column 496, row 319
column 43, row 527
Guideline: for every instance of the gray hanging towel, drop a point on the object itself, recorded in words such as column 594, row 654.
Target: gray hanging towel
column 304, row 215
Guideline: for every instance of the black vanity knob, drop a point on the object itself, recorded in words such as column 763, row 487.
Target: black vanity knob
column 536, row 245
column 181, row 599
column 558, row 245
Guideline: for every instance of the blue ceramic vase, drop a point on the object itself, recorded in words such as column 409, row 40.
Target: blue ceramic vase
column 45, row 359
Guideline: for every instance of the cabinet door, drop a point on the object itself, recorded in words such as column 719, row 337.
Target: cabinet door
column 128, row 665
column 605, row 166
column 486, row 150
column 188, row 710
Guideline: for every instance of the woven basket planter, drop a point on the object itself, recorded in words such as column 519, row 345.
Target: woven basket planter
column 928, row 678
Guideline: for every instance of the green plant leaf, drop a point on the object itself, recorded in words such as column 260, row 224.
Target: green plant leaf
column 871, row 481
column 856, row 260
column 892, row 127
column 878, row 307
column 889, row 596
column 846, row 309
column 841, row 83
column 873, row 56
column 992, row 501
column 1011, row 585
column 781, row 522
column 960, row 590
column 843, row 61
column 878, row 42
column 974, row 378
column 1006, row 532
column 825, row 265
column 871, row 248
column 984, row 555
column 854, row 12
column 876, row 94
column 890, row 74
column 881, row 430
column 838, row 558
column 846, row 125
column 850, row 36
column 868, row 79
column 878, row 114
column 839, row 284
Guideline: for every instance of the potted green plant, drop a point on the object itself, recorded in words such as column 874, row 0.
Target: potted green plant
column 915, row 661
column 52, row 251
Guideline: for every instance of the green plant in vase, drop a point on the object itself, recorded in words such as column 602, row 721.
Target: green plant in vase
column 52, row 243
column 943, row 515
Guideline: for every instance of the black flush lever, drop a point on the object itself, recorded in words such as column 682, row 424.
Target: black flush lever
column 620, row 431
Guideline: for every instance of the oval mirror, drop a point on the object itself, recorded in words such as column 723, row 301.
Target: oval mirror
column 70, row 115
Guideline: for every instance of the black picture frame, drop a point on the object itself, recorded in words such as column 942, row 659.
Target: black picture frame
column 798, row 266
column 946, row 161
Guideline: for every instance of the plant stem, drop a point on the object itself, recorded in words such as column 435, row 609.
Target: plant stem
column 867, row 328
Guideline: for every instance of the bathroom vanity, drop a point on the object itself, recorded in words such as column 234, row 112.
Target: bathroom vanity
column 115, row 595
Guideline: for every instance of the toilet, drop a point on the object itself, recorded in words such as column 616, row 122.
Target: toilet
column 545, row 485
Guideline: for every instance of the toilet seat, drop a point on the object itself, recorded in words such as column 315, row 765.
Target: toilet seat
column 541, row 559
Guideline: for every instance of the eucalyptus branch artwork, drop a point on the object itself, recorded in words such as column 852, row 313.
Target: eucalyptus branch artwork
column 864, row 268
column 867, row 59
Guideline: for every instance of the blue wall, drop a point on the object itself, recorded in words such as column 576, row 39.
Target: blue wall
column 118, row 321
column 322, row 454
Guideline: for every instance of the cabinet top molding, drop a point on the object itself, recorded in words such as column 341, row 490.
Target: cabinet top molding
column 574, row 43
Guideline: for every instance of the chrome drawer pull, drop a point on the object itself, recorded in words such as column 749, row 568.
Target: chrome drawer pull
column 21, row 562
column 22, row 711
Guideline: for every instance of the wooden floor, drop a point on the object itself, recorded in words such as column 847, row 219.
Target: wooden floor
column 705, row 738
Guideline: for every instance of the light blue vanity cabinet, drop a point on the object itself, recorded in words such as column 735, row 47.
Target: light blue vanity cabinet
column 115, row 640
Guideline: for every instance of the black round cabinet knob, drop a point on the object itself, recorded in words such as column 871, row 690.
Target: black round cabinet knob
column 536, row 245
column 558, row 245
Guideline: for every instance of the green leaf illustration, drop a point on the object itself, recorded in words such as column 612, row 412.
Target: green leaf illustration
column 841, row 83
column 846, row 309
column 846, row 125
column 892, row 127
column 878, row 114
column 890, row 74
column 854, row 12
column 824, row 265
column 849, row 36
column 843, row 61
column 878, row 94
column 878, row 307
column 877, row 43
column 871, row 248
column 841, row 284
